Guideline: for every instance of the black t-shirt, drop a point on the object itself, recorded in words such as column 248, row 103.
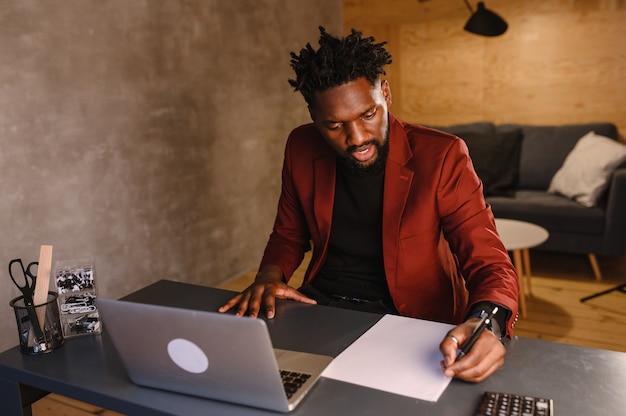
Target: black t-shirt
column 354, row 263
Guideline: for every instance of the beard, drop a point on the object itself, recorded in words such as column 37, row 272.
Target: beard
column 378, row 165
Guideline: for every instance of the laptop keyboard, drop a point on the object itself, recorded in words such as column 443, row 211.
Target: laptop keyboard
column 292, row 381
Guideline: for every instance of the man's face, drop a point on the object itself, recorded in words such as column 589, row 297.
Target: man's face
column 353, row 119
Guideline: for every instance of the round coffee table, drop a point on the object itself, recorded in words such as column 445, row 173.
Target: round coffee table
column 518, row 237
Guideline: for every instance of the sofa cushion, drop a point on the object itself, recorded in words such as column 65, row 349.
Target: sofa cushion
column 484, row 127
column 553, row 212
column 496, row 159
column 545, row 148
column 587, row 169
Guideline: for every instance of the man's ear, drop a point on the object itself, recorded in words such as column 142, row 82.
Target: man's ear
column 386, row 89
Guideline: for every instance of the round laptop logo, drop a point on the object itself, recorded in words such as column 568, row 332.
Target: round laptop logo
column 187, row 355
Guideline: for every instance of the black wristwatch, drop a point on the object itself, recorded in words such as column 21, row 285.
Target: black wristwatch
column 494, row 327
column 482, row 308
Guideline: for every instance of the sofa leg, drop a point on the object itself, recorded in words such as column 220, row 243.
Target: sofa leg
column 594, row 266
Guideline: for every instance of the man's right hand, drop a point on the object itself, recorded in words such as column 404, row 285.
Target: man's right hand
column 267, row 286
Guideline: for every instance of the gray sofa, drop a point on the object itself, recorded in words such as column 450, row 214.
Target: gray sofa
column 540, row 152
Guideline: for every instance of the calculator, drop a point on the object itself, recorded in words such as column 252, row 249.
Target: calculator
column 507, row 404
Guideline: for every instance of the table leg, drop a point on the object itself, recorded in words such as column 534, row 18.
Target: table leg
column 594, row 265
column 519, row 266
column 11, row 399
column 528, row 273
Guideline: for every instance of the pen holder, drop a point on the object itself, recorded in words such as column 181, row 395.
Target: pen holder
column 38, row 326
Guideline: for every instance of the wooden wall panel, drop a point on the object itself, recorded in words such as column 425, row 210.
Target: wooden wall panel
column 561, row 61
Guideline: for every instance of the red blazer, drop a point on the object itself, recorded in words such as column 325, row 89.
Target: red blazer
column 440, row 246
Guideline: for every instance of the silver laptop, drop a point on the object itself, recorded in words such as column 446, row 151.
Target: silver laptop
column 208, row 354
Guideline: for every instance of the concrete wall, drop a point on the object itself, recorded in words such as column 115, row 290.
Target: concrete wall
column 147, row 134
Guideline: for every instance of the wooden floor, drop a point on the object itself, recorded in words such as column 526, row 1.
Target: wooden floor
column 555, row 313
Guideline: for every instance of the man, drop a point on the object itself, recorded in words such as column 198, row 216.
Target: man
column 395, row 213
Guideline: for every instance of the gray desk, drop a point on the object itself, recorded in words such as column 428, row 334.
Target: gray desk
column 582, row 381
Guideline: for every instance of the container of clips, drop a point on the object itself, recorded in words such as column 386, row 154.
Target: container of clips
column 76, row 288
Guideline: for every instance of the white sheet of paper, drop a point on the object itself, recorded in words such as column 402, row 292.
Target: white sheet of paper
column 398, row 355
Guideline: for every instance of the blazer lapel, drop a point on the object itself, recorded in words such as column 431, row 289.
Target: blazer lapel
column 398, row 181
column 324, row 192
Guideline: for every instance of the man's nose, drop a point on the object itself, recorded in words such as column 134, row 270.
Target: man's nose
column 356, row 134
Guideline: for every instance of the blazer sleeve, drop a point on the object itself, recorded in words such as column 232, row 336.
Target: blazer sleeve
column 469, row 227
column 290, row 236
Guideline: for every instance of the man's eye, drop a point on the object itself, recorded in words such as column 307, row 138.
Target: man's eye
column 334, row 126
column 369, row 116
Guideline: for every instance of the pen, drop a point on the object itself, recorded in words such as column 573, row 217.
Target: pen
column 467, row 345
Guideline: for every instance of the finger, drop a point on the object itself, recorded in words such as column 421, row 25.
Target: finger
column 243, row 304
column 482, row 360
column 283, row 292
column 228, row 305
column 270, row 305
column 448, row 347
column 452, row 367
column 451, row 337
column 293, row 294
column 256, row 295
column 479, row 372
column 489, row 371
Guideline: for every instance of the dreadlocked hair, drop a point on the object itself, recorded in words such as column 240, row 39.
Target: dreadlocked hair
column 337, row 62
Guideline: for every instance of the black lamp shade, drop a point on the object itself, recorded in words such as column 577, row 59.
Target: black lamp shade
column 485, row 22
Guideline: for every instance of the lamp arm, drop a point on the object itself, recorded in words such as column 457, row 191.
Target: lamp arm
column 468, row 6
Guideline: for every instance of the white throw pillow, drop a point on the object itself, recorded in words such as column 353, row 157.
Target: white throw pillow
column 587, row 168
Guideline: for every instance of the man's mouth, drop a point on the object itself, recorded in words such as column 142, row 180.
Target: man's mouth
column 364, row 153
